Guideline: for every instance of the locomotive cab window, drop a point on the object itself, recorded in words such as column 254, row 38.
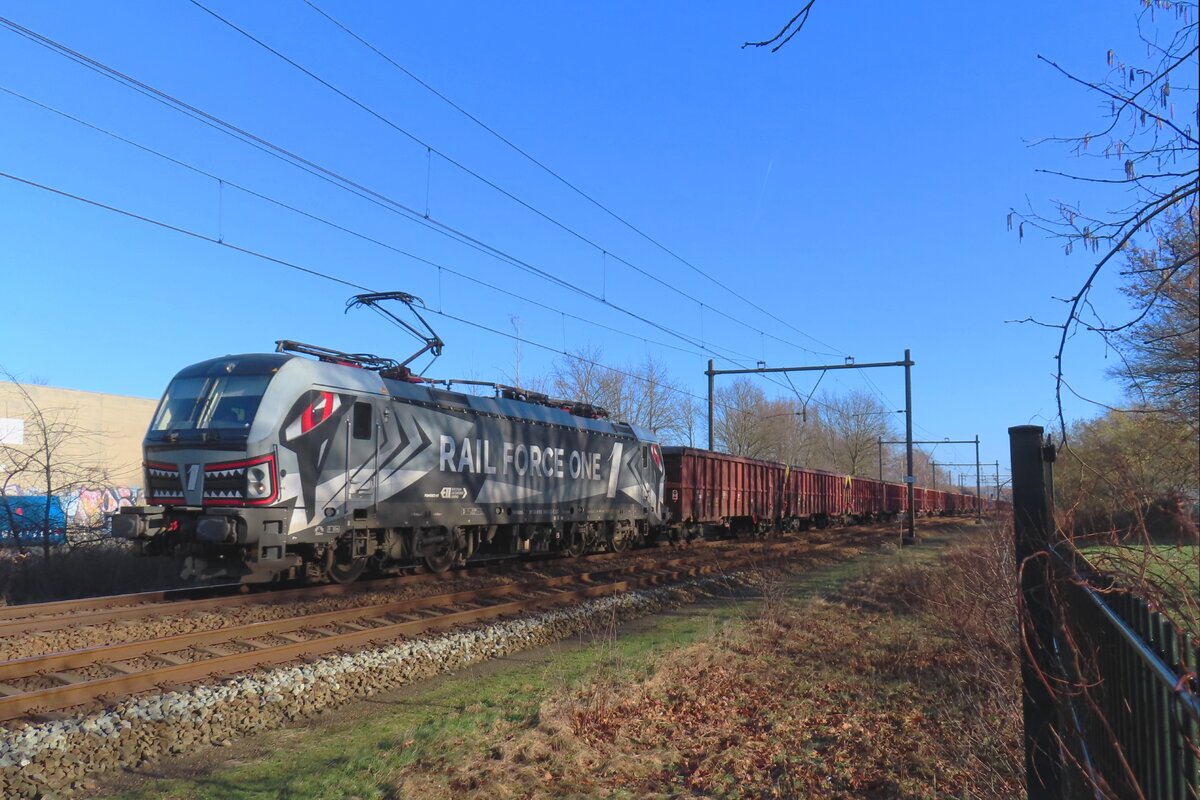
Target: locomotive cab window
column 362, row 420
column 210, row 402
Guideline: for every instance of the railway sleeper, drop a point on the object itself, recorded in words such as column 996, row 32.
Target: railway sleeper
column 290, row 637
column 65, row 678
column 324, row 632
column 166, row 659
column 253, row 644
column 117, row 667
column 210, row 651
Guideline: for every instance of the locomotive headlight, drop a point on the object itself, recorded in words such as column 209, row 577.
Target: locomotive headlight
column 258, row 482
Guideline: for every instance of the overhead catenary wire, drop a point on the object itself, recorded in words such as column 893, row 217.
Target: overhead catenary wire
column 180, row 230
column 220, row 240
column 407, row 213
column 554, row 174
column 605, row 253
column 341, row 281
column 226, row 182
column 488, row 182
column 333, row 177
column 326, row 276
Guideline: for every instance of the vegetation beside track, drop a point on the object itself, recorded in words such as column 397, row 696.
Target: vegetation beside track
column 1168, row 573
column 93, row 569
column 896, row 681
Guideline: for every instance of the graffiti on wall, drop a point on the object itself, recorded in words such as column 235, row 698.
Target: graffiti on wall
column 89, row 508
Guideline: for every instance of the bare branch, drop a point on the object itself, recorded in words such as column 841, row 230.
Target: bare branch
column 797, row 21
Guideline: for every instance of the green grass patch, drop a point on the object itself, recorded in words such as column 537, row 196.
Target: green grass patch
column 352, row 759
column 1175, row 567
column 1168, row 574
column 426, row 727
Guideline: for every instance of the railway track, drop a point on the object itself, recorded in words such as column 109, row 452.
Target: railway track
column 52, row 682
column 33, row 617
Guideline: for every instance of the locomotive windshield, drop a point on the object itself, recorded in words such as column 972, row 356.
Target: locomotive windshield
column 225, row 402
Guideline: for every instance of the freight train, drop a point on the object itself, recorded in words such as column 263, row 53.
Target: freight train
column 310, row 463
column 707, row 491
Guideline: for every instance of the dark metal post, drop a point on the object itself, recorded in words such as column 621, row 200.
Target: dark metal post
column 997, row 486
column 711, row 378
column 1032, row 528
column 978, row 485
column 880, row 459
column 933, row 474
column 911, row 534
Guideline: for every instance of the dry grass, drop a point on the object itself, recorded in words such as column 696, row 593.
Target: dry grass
column 101, row 568
column 902, row 685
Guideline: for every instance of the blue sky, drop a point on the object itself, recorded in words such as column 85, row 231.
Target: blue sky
column 854, row 184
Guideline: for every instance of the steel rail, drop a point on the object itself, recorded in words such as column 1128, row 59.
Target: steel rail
column 87, row 611
column 86, row 691
column 100, row 654
column 104, row 601
column 104, row 655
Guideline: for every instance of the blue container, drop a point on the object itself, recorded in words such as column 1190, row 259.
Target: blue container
column 26, row 515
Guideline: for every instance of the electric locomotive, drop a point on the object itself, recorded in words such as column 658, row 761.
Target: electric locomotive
column 313, row 463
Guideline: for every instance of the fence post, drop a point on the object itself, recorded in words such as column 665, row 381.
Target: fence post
column 1033, row 526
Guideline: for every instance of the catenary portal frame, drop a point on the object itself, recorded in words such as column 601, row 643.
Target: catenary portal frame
column 910, row 534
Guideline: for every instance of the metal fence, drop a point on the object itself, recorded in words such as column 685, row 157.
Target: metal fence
column 1112, row 694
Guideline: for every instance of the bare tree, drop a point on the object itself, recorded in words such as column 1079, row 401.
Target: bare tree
column 793, row 432
column 651, row 399
column 45, row 460
column 582, row 377
column 643, row 394
column 854, row 424
column 1147, row 155
column 693, row 419
column 737, row 420
column 749, row 424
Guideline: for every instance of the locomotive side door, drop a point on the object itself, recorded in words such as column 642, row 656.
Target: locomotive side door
column 362, row 456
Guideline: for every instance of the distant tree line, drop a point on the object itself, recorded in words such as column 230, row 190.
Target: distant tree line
column 838, row 433
column 1137, row 469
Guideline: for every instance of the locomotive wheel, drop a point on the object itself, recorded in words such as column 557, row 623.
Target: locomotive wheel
column 443, row 561
column 576, row 546
column 340, row 567
column 620, row 541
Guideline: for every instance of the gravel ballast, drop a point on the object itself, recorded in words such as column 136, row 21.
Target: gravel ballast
column 52, row 759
